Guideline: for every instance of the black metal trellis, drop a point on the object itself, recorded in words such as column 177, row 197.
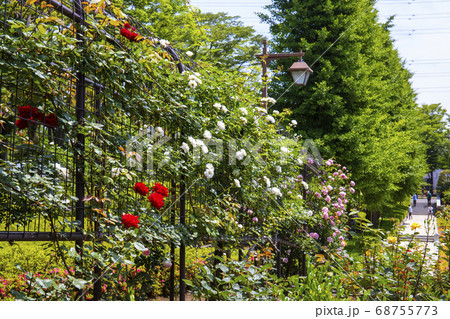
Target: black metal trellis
column 83, row 99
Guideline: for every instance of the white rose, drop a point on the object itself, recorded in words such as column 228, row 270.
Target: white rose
column 185, row 147
column 221, row 125
column 62, row 171
column 270, row 119
column 164, row 43
column 276, row 191
column 159, row 131
column 267, row 180
column 193, row 141
column 193, row 84
column 209, row 173
column 207, row 135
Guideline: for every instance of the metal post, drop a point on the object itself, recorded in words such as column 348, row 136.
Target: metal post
column 97, row 270
column 278, row 243
column 264, row 70
column 182, row 246
column 241, row 221
column 172, row 247
column 303, row 262
column 79, row 151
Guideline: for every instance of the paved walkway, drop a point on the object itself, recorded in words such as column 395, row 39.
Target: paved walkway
column 428, row 232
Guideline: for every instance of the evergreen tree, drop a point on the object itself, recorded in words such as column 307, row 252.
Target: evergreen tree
column 434, row 134
column 358, row 105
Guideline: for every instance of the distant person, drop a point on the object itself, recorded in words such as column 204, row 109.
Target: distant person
column 410, row 212
column 429, row 198
column 430, row 212
column 415, row 199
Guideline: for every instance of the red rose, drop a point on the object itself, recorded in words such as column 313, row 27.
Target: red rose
column 125, row 32
column 51, row 120
column 129, row 220
column 133, row 28
column 21, row 124
column 27, row 112
column 127, row 25
column 140, row 188
column 160, row 189
column 157, row 200
column 39, row 117
column 133, row 36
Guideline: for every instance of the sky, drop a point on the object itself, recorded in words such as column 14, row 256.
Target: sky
column 421, row 34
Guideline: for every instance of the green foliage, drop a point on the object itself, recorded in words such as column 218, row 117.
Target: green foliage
column 434, row 134
column 236, row 281
column 322, row 283
column 213, row 38
column 443, row 183
column 228, row 43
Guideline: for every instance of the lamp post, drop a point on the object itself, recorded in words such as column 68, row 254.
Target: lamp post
column 300, row 71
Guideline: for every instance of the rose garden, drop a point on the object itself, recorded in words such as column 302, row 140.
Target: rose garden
column 130, row 171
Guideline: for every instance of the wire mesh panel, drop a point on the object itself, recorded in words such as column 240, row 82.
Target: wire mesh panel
column 53, row 107
column 37, row 107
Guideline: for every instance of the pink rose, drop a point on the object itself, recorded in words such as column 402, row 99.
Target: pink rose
column 314, row 235
column 146, row 252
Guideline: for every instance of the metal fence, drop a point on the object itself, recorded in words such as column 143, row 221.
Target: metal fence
column 44, row 127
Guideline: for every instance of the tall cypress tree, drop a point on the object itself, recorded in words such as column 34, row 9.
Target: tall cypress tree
column 358, row 105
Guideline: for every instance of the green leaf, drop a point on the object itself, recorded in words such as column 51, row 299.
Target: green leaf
column 42, row 29
column 79, row 283
column 223, row 268
column 188, row 282
column 44, row 283
column 227, row 279
column 139, row 246
column 206, row 285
